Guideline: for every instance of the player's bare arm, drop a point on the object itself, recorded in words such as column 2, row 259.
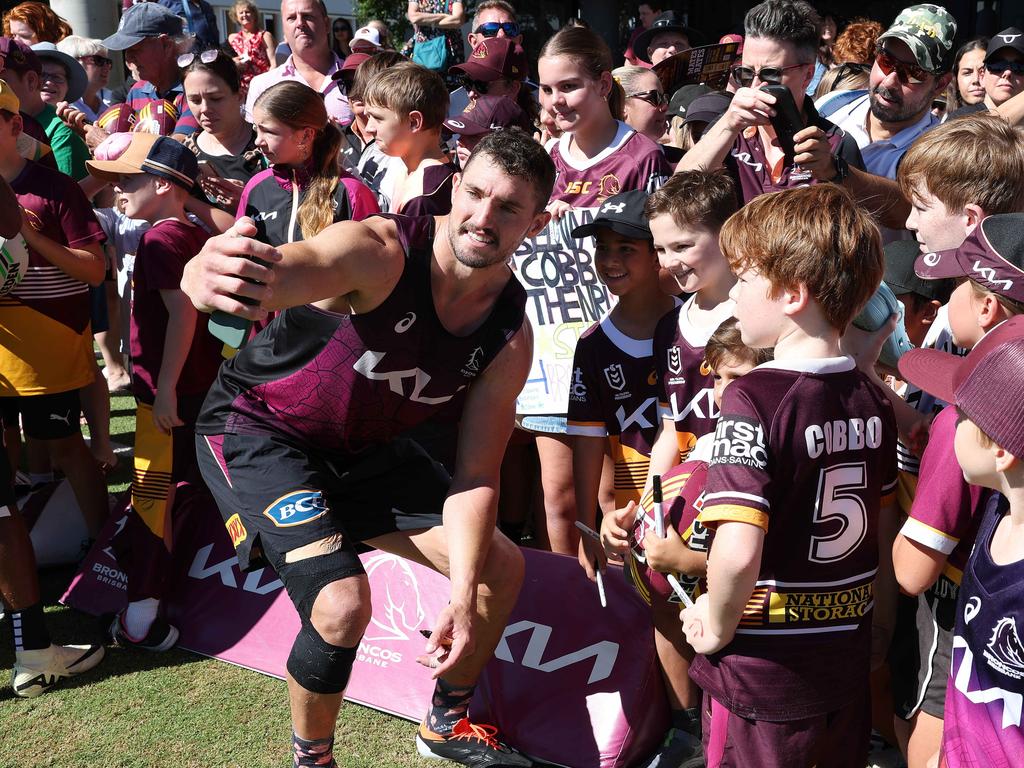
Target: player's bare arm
column 470, row 511
column 346, row 266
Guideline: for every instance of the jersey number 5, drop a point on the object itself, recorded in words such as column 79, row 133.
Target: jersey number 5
column 839, row 512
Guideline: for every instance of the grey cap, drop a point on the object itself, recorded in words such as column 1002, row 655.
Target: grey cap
column 77, row 79
column 141, row 21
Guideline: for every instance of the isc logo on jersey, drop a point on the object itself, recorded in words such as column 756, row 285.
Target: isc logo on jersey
column 296, row 508
column 740, row 441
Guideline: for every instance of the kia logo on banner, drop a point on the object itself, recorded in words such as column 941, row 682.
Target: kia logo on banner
column 570, row 683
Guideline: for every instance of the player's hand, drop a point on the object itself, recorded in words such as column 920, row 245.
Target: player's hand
column 664, row 554
column 749, row 107
column 224, row 270
column 813, row 153
column 697, row 628
column 454, row 635
column 615, row 531
column 94, row 136
column 558, row 209
column 165, row 411
column 590, row 552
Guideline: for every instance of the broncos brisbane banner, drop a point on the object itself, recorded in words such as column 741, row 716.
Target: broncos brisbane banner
column 570, row 683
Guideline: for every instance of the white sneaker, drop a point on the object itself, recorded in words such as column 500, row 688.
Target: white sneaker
column 35, row 672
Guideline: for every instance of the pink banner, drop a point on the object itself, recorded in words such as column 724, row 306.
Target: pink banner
column 571, row 683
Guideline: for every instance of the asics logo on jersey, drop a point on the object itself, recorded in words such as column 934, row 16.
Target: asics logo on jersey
column 367, row 365
column 740, row 441
column 675, row 360
column 615, row 376
column 613, row 208
column 296, row 508
column 989, row 275
column 57, row 417
column 405, row 323
column 843, row 435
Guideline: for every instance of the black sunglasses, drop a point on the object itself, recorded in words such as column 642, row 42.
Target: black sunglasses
column 744, row 76
column 98, row 61
column 999, row 66
column 343, row 28
column 471, row 84
column 207, row 57
column 654, row 97
column 492, row 28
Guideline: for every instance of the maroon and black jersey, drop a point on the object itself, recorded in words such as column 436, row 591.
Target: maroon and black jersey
column 805, row 449
column 613, row 394
column 754, row 175
column 343, row 383
column 631, row 161
column 686, row 383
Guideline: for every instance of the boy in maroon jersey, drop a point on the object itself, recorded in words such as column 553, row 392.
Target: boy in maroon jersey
column 808, row 444
column 686, row 216
column 174, row 362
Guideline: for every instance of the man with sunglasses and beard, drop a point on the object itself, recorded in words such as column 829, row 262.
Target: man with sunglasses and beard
column 912, row 65
column 780, row 48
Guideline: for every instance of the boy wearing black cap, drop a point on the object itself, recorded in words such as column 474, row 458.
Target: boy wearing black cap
column 174, row 362
column 985, row 684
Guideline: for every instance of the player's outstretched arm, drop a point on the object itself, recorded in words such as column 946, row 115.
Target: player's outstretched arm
column 343, row 260
column 470, row 511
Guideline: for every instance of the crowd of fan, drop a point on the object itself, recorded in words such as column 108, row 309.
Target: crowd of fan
column 908, row 139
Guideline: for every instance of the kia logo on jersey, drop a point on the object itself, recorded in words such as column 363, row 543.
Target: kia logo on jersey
column 296, row 508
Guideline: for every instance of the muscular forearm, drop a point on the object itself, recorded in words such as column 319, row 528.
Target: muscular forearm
column 469, row 518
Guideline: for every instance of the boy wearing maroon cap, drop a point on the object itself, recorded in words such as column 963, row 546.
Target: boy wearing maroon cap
column 799, row 493
column 481, row 117
column 986, row 680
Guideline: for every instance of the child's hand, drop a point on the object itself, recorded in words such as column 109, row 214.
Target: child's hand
column 615, row 530
column 165, row 411
column 665, row 555
column 589, row 554
column 697, row 628
column 558, row 209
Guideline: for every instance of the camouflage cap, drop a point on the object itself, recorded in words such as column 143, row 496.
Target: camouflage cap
column 928, row 30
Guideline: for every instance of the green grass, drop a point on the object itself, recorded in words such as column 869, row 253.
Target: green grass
column 139, row 710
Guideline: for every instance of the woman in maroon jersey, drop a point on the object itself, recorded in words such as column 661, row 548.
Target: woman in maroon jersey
column 597, row 156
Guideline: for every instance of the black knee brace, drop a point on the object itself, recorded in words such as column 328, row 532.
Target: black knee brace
column 317, row 665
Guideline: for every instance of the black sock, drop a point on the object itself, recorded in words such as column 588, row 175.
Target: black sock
column 314, row 752
column 30, row 629
column 448, row 705
column 687, row 720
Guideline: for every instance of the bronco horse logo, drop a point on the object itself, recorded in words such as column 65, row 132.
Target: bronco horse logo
column 397, row 606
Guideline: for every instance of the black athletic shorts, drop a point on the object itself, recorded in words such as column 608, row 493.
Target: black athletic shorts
column 276, row 497
column 44, row 417
column 919, row 684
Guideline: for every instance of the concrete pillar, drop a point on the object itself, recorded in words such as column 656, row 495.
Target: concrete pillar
column 94, row 18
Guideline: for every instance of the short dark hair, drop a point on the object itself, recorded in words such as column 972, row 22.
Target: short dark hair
column 521, row 157
column 695, row 198
column 789, row 21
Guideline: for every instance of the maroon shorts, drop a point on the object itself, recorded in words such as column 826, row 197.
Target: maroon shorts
column 837, row 739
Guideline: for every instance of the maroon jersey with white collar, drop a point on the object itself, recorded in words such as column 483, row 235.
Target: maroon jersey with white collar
column 805, row 449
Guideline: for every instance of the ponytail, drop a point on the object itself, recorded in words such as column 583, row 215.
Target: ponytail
column 617, row 99
column 316, row 212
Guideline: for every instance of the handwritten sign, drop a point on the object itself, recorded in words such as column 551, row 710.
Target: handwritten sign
column 564, row 298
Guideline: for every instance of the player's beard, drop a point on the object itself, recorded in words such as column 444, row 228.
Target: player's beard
column 472, row 259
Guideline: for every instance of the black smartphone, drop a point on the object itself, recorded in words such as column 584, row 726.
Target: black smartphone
column 787, row 120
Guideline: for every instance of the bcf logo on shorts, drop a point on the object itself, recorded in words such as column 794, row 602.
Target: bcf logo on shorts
column 296, row 508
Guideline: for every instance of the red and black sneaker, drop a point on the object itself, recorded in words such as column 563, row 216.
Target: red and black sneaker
column 470, row 744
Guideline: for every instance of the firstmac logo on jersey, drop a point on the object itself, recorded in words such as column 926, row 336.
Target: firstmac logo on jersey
column 739, row 440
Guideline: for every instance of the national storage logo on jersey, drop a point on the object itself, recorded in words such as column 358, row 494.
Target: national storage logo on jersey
column 296, row 508
column 739, row 440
